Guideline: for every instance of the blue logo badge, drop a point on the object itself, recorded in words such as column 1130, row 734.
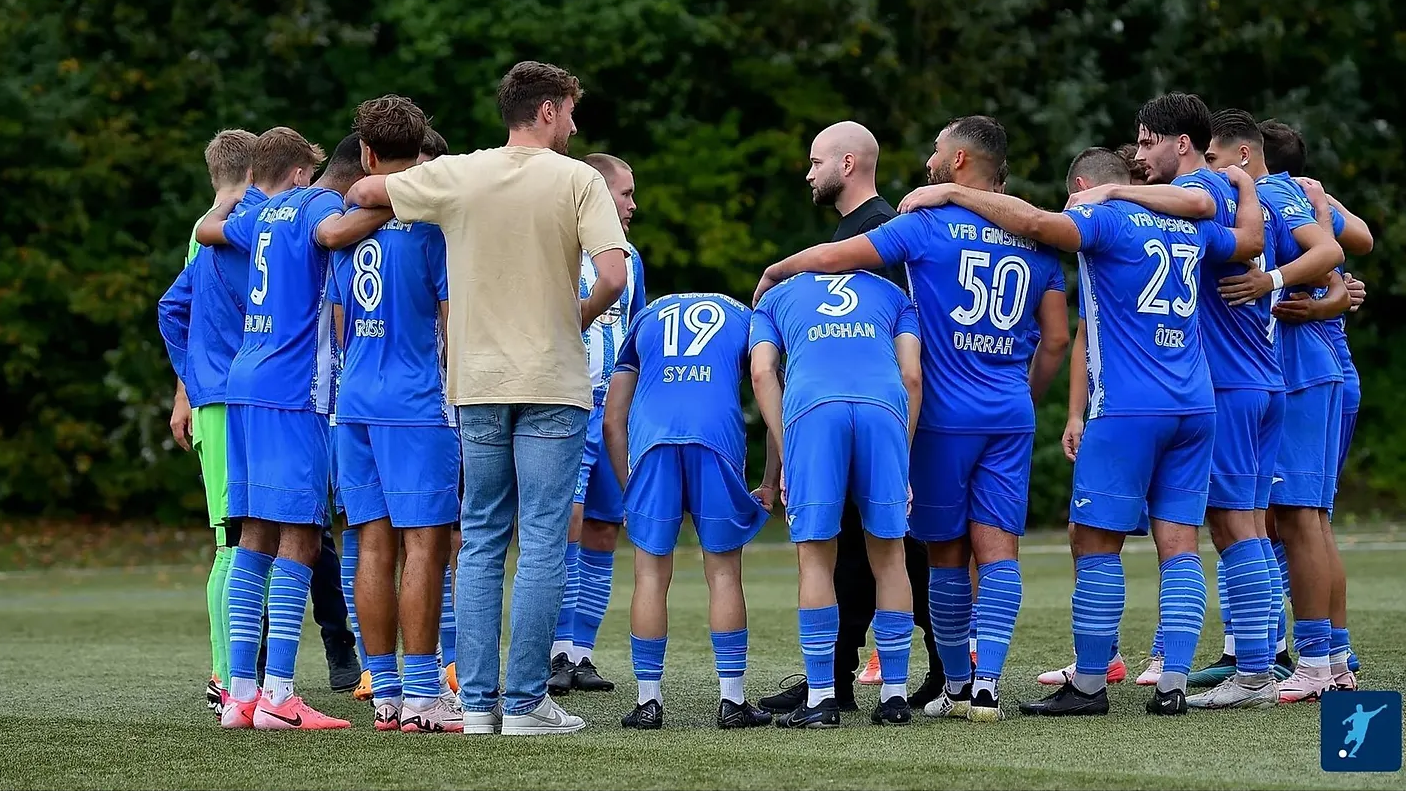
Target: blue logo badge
column 1360, row 732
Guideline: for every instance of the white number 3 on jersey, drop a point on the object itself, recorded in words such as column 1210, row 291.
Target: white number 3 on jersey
column 839, row 286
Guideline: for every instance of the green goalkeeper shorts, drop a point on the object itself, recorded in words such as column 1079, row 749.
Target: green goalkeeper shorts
column 208, row 436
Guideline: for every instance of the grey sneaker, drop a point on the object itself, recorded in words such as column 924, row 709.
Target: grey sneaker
column 548, row 719
column 483, row 723
column 1239, row 692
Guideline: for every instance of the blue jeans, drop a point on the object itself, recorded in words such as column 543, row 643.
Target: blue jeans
column 519, row 460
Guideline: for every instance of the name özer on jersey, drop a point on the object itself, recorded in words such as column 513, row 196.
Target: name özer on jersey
column 688, row 373
column 835, row 329
column 986, row 344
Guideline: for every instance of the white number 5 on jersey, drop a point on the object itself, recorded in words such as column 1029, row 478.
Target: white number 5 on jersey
column 838, row 285
column 257, row 295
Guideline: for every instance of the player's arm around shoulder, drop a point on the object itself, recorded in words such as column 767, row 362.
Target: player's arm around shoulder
column 1192, row 203
column 339, row 229
column 848, row 255
column 1249, row 224
column 1012, row 214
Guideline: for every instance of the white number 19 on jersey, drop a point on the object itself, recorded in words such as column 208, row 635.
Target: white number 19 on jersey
column 703, row 319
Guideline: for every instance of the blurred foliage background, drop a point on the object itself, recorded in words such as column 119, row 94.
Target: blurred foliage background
column 108, row 106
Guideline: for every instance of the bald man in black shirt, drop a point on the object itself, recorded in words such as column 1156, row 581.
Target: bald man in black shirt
column 843, row 158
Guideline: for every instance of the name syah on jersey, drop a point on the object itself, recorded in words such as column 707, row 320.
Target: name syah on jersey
column 1139, row 286
column 837, row 332
column 1306, row 352
column 690, row 351
column 390, row 285
column 606, row 334
column 1239, row 340
column 978, row 290
column 286, row 360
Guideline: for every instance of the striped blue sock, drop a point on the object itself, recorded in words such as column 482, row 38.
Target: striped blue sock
column 730, row 660
column 1114, row 653
column 893, row 639
column 289, row 586
column 1159, row 640
column 567, row 616
column 1182, row 599
column 1313, row 640
column 247, row 586
column 647, row 656
column 999, row 591
column 597, row 570
column 448, row 631
column 950, row 610
column 351, row 550
column 1246, row 582
column 819, row 628
column 1281, row 559
column 421, row 678
column 1276, row 595
column 1223, row 597
column 1339, row 645
column 1097, row 604
column 385, row 676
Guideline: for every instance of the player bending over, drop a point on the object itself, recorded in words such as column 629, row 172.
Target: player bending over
column 853, row 384
column 673, row 427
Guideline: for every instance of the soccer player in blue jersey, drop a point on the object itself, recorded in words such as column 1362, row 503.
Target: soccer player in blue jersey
column 201, row 318
column 674, row 431
column 279, row 398
column 1306, row 467
column 984, row 297
column 853, row 384
column 397, row 451
column 1148, row 441
column 598, row 510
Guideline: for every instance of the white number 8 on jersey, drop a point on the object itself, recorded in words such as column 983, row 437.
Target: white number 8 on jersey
column 366, row 285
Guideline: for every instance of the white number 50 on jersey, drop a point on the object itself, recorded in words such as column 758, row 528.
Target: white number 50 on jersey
column 1004, row 299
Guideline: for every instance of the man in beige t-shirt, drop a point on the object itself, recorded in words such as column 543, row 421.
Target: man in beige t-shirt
column 516, row 221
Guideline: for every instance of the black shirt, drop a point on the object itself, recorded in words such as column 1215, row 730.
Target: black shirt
column 866, row 217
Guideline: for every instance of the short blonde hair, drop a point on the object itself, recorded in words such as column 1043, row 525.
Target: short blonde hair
column 608, row 166
column 228, row 157
column 280, row 150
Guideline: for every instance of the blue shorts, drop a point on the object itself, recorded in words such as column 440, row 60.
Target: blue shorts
column 1249, row 424
column 596, row 486
column 962, row 478
column 1345, row 438
column 280, row 465
column 409, row 473
column 839, row 448
column 669, row 480
column 1131, row 465
column 1306, row 471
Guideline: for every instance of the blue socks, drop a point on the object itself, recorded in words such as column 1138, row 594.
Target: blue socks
column 597, row 570
column 893, row 639
column 1245, row 582
column 1100, row 592
column 1339, row 648
column 385, row 676
column 421, row 677
column 561, row 643
column 1159, row 640
column 248, row 582
column 1227, row 623
column 999, row 591
column 950, row 610
column 351, row 550
column 820, row 627
column 448, row 631
column 647, row 656
column 288, row 601
column 1313, row 641
column 1276, row 559
column 1183, row 606
column 730, row 660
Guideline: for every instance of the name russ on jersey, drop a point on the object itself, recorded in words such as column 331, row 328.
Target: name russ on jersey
column 370, row 328
column 835, row 329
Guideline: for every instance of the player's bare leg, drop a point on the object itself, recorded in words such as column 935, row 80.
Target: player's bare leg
column 893, row 627
column 1000, row 591
column 421, row 595
column 727, row 620
column 950, row 607
column 819, row 620
column 377, row 614
column 596, row 564
column 649, row 630
column 1242, row 677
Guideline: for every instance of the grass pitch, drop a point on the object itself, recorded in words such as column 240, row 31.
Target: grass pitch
column 102, row 675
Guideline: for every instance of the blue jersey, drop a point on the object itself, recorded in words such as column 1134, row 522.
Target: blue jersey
column 978, row 291
column 690, row 351
column 1239, row 340
column 202, row 314
column 390, row 285
column 837, row 332
column 1305, row 350
column 286, row 360
column 1139, row 286
column 606, row 334
column 1352, row 384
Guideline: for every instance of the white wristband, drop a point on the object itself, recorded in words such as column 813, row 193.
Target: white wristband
column 1277, row 278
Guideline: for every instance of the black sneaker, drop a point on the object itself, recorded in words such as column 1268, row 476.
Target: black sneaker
column 587, row 679
column 648, row 716
column 985, row 707
column 562, row 670
column 928, row 692
column 844, row 698
column 1068, row 701
column 343, row 670
column 791, row 697
column 740, row 715
column 212, row 696
column 894, row 711
column 826, row 715
column 1167, row 704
